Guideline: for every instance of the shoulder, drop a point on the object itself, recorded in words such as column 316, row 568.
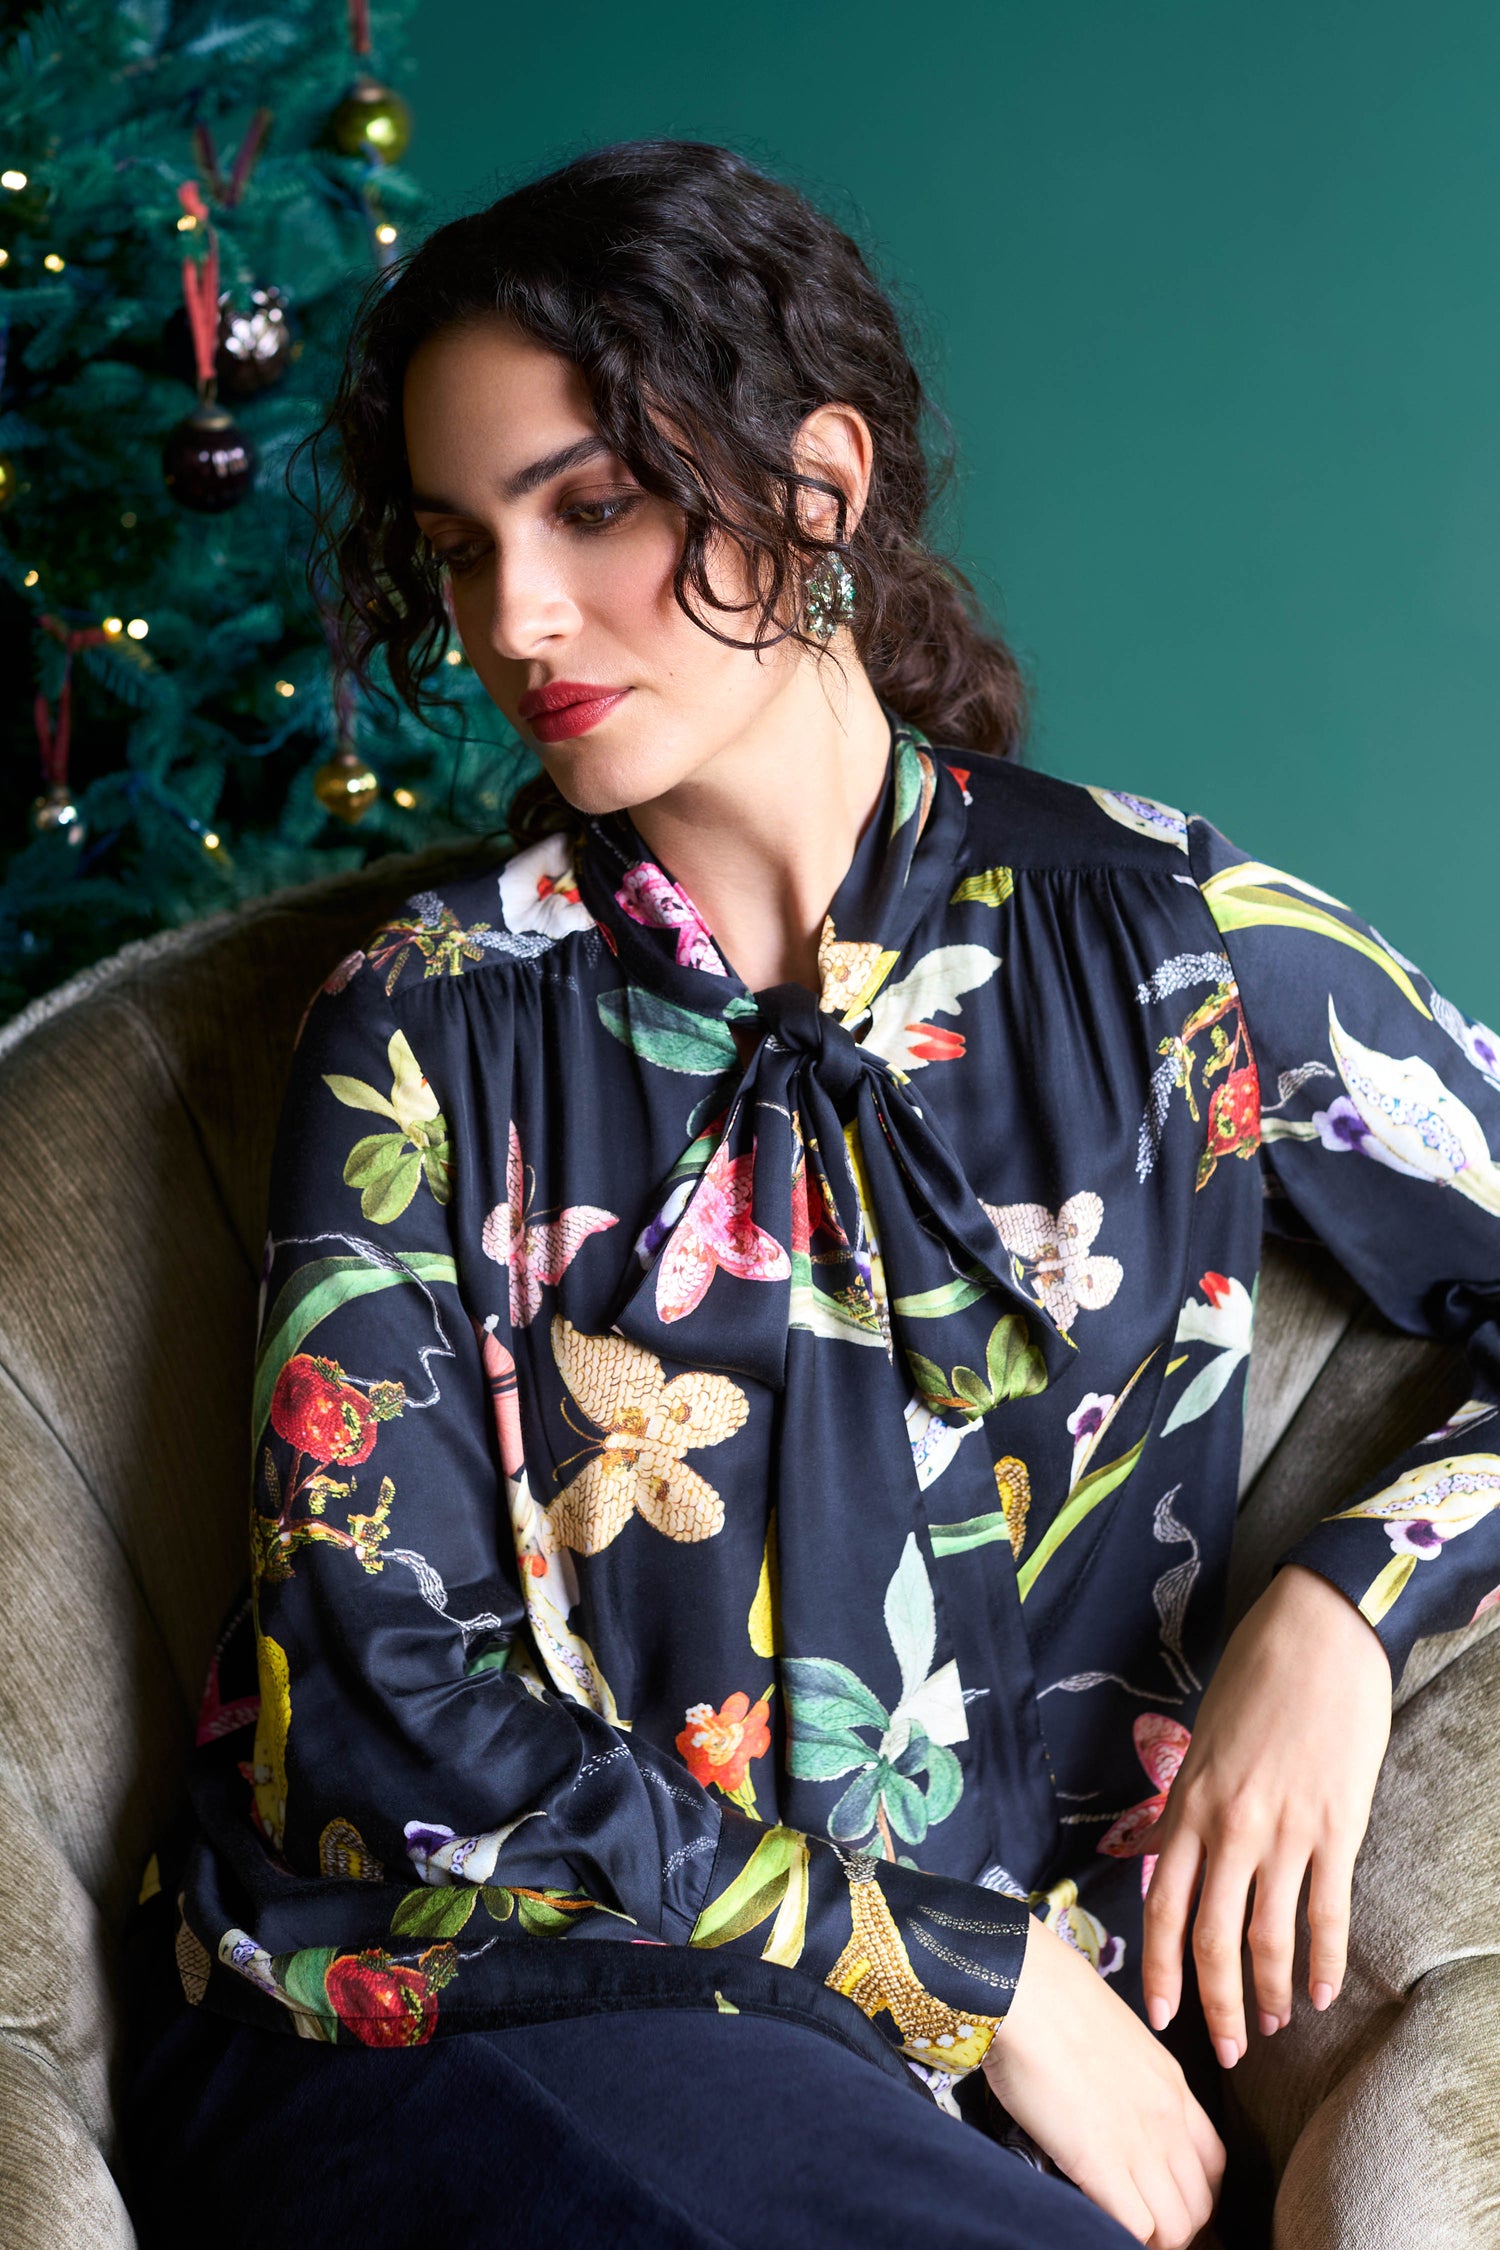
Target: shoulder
column 1033, row 819
column 515, row 910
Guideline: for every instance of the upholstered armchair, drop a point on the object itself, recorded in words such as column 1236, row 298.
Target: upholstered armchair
column 137, row 1108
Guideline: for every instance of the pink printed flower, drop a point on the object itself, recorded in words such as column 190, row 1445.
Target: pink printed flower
column 649, row 898
column 1161, row 1745
column 536, row 1250
column 717, row 1229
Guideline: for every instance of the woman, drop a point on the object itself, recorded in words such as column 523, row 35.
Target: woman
column 757, row 1290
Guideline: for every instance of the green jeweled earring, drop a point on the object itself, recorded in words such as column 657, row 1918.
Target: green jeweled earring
column 829, row 601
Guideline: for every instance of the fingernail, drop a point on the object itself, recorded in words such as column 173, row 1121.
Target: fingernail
column 1322, row 1994
column 1158, row 2014
column 1227, row 2051
column 1269, row 2024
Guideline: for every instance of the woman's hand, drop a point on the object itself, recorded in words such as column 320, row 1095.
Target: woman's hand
column 1281, row 1771
column 1106, row 2101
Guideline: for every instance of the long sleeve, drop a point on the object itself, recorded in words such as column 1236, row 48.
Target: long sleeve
column 1380, row 1116
column 437, row 1803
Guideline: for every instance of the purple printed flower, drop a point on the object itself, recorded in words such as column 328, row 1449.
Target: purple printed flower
column 1340, row 1126
column 1416, row 1538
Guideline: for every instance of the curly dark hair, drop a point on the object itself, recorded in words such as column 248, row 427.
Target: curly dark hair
column 700, row 297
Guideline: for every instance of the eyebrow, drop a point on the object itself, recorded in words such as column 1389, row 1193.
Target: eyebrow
column 524, row 481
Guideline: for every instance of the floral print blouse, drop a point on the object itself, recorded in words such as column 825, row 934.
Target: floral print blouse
column 745, row 1480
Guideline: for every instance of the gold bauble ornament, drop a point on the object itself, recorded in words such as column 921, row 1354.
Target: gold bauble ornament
column 345, row 786
column 371, row 120
column 58, row 810
column 10, row 482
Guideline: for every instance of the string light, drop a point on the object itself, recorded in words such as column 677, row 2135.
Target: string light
column 385, row 233
column 53, row 263
column 186, row 223
column 138, row 628
column 114, row 626
column 403, row 798
column 14, row 180
column 128, row 520
column 31, row 578
column 210, row 840
column 4, row 257
column 285, row 687
column 454, row 656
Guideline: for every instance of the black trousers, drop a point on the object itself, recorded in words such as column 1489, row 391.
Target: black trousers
column 653, row 2128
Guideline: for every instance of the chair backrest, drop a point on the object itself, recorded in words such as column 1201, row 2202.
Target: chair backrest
column 137, row 1107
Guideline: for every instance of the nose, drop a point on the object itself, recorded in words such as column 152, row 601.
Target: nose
column 532, row 613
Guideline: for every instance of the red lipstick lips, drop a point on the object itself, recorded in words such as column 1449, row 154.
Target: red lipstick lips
column 564, row 708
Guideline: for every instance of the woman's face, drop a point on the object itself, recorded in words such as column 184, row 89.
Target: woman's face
column 560, row 569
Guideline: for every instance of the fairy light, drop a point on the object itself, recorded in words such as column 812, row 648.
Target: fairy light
column 186, row 223
column 13, row 180
column 403, row 798
column 4, row 257
column 114, row 626
column 138, row 628
column 285, row 687
column 128, row 520
column 31, row 578
column 455, row 656
column 385, row 233
column 53, row 263
column 210, row 840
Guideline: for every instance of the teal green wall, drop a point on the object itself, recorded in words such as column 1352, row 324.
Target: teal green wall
column 1213, row 297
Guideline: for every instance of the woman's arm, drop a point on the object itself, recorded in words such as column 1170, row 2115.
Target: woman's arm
column 1380, row 1113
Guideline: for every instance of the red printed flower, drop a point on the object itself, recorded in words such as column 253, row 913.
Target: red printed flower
column 718, row 1745
column 316, row 1410
column 384, row 2003
column 1216, row 1288
column 1161, row 1744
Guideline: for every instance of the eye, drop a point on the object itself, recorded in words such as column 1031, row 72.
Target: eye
column 458, row 561
column 599, row 515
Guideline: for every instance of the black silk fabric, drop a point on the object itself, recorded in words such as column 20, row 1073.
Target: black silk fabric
column 744, row 1481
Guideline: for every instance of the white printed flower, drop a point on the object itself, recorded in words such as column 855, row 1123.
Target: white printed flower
column 1145, row 815
column 538, row 890
column 1412, row 1122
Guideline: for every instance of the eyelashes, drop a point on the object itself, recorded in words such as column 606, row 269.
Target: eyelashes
column 590, row 517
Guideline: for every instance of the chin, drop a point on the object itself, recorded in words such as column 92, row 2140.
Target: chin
column 597, row 776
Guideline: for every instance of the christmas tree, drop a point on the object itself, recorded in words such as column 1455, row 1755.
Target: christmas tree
column 193, row 199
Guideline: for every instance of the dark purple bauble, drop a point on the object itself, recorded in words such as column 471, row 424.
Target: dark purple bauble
column 207, row 462
column 257, row 343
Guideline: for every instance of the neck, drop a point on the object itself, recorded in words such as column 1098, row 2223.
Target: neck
column 761, row 836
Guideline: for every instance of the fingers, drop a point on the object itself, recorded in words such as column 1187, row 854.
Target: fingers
column 1167, row 1905
column 1328, row 1919
column 1273, row 1934
column 1218, row 1930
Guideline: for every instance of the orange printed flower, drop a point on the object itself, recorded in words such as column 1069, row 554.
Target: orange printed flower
column 718, row 1745
column 315, row 1408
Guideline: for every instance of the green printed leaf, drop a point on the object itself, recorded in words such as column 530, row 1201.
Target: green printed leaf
column 1238, row 902
column 385, row 1169
column 935, row 1304
column 1204, row 1391
column 973, row 1390
column 945, row 1781
column 854, row 1814
column 1017, row 1367
column 318, row 1289
column 906, row 1806
column 831, row 1695
column 992, row 888
column 542, row 1919
column 754, row 1894
column 1096, row 1486
column 816, row 1754
column 660, row 1032
column 498, row 1901
column 435, row 1913
column 931, row 1381
column 304, row 1980
column 979, row 1531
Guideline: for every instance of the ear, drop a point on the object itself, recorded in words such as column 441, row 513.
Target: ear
column 833, row 442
